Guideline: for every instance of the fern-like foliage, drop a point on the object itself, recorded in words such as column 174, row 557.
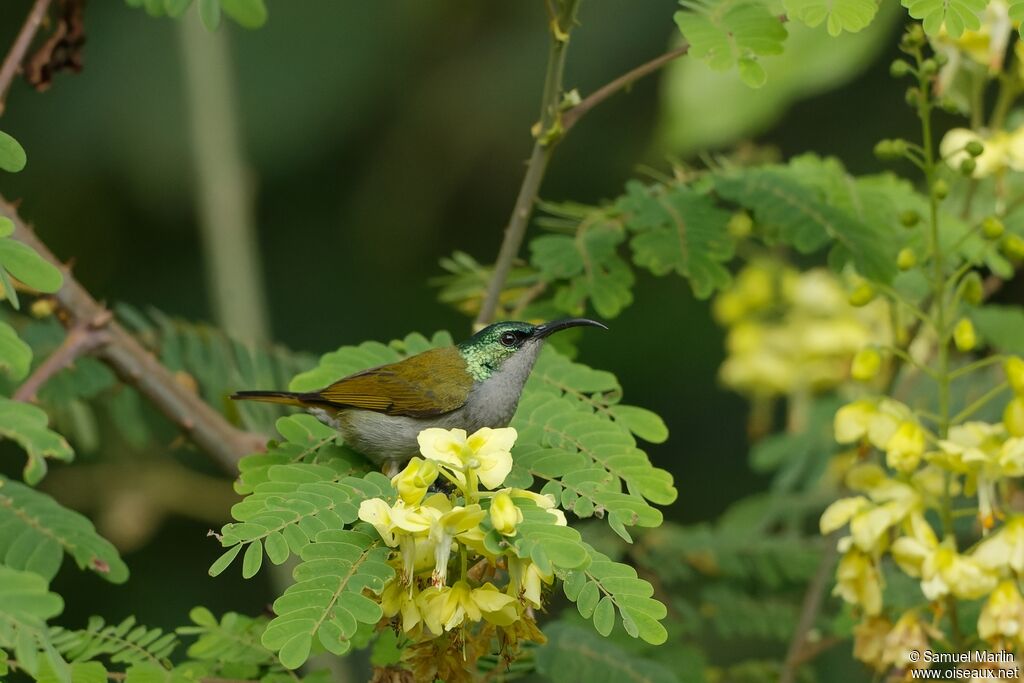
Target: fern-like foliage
column 232, row 639
column 36, row 532
column 326, row 601
column 955, row 16
column 27, row 425
column 604, row 588
column 127, row 643
column 26, row 603
column 837, row 15
column 574, row 654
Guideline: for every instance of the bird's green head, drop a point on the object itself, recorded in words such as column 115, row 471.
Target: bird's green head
column 488, row 350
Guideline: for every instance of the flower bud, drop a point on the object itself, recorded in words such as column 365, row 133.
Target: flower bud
column 505, row 516
column 1013, row 417
column 975, row 148
column 992, row 228
column 1014, row 369
column 899, row 68
column 862, row 295
column 967, row 167
column 910, row 218
column 905, row 447
column 1013, row 247
column 913, row 97
column 740, row 225
column 971, row 289
column 413, row 481
column 964, row 336
column 929, row 67
column 906, row 259
column 866, row 364
column 41, row 308
column 940, row 189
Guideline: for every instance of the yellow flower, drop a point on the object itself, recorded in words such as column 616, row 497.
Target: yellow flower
column 869, row 641
column 985, row 453
column 1013, row 417
column 909, row 634
column 1014, row 369
column 866, row 419
column 870, row 520
column 485, row 453
column 444, row 608
column 378, row 513
column 413, row 481
column 940, row 567
column 397, row 598
column 904, row 449
column 505, row 516
column 525, row 579
column 839, row 513
column 1004, row 549
column 866, row 364
column 964, row 335
column 858, row 581
column 446, row 524
column 1003, row 614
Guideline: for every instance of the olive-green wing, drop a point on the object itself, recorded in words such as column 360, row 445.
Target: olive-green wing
column 430, row 383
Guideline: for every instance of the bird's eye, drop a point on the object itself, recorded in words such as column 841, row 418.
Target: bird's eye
column 508, row 339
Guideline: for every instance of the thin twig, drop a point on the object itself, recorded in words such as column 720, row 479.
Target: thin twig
column 571, row 117
column 809, row 611
column 138, row 367
column 12, row 62
column 546, row 136
column 83, row 338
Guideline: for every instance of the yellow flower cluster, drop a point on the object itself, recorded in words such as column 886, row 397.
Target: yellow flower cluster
column 896, row 513
column 431, row 529
column 791, row 331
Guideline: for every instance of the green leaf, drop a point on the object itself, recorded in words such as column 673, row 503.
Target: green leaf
column 727, row 34
column 1017, row 10
column 209, row 14
column 623, row 592
column 1001, row 326
column 176, row 8
column 36, row 531
column 234, row 639
column 679, row 230
column 125, row 643
column 15, row 355
column 644, row 423
column 841, row 15
column 222, row 562
column 26, row 424
column 953, row 15
column 12, row 154
column 805, row 219
column 253, row 559
column 326, row 601
column 80, row 672
column 22, row 262
column 247, row 13
column 25, row 605
column 573, row 654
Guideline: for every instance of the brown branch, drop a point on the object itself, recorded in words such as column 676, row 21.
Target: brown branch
column 12, row 62
column 139, row 367
column 83, row 338
column 549, row 133
column 626, row 80
column 813, row 597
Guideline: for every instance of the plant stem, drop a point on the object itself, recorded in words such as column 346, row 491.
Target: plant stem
column 225, row 193
column 809, row 609
column 137, row 366
column 546, row 136
column 12, row 62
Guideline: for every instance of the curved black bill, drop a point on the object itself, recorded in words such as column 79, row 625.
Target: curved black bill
column 545, row 329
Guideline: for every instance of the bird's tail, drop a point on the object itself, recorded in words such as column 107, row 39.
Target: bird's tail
column 287, row 398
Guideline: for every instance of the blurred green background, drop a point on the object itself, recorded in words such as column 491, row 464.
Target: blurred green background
column 381, row 137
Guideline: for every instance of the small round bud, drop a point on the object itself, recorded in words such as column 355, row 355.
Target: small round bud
column 1013, row 417
column 964, row 335
column 890, row 149
column 899, row 68
column 1013, row 367
column 992, row 228
column 1013, row 247
column 975, row 148
column 967, row 166
column 906, row 259
column 913, row 97
column 910, row 218
column 971, row 289
column 929, row 67
column 866, row 364
column 940, row 189
column 43, row 308
column 505, row 516
column 949, row 105
column 740, row 225
column 862, row 295
column 942, row 58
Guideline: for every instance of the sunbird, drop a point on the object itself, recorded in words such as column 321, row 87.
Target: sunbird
column 475, row 384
